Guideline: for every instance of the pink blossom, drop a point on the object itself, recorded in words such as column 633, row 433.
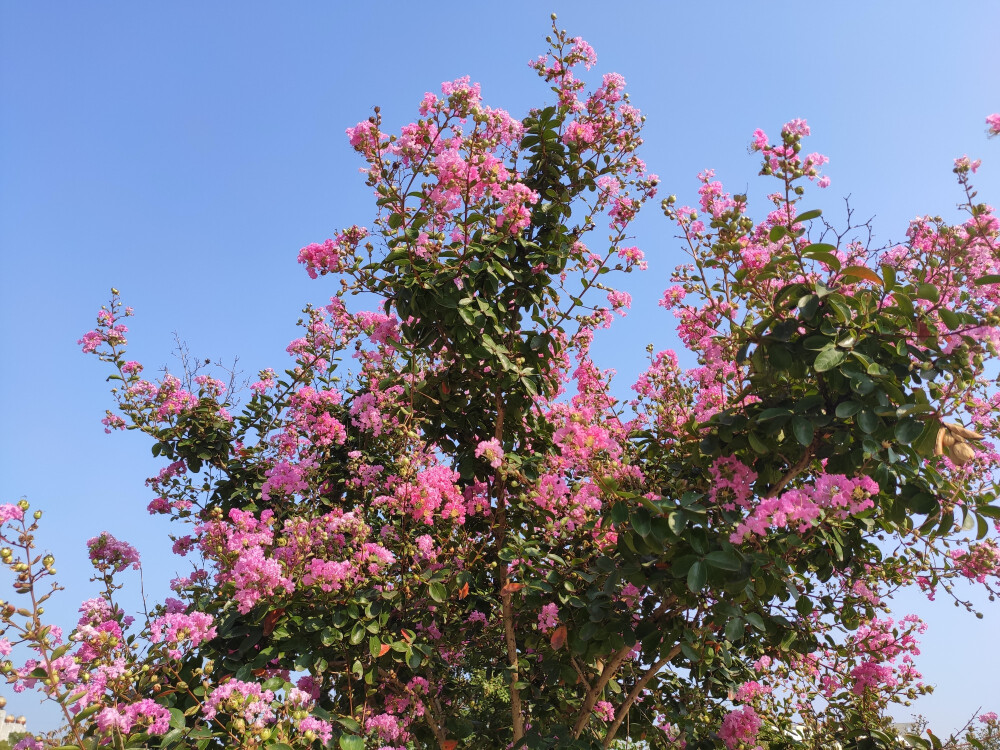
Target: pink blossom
column 106, row 552
column 741, row 725
column 492, row 450
column 180, row 628
column 604, row 710
column 993, row 124
column 548, row 618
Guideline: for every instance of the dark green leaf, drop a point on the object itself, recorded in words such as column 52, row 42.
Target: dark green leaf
column 723, row 560
column 803, row 430
column 867, row 421
column 641, row 522
column 847, row 409
column 908, row 429
column 697, row 577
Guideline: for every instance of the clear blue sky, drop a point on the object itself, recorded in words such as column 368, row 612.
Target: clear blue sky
column 184, row 152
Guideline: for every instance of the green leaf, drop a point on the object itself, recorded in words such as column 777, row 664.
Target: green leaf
column 773, row 414
column 758, row 445
column 927, row 440
column 697, row 577
column 678, row 519
column 723, row 560
column 756, row 620
column 828, row 359
column 641, row 522
column 847, row 409
column 809, row 215
column 803, row 430
column 351, row 742
column 950, row 318
column 734, row 629
column 438, row 592
column 831, row 260
column 777, row 233
column 888, row 277
column 867, row 421
column 358, row 634
column 928, row 292
column 988, row 279
column 908, row 429
column 820, row 247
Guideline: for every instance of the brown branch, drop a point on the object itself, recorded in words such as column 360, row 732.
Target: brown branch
column 793, row 472
column 634, row 693
column 433, row 721
column 610, row 668
column 579, row 671
column 516, row 711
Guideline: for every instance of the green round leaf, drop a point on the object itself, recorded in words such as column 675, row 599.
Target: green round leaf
column 908, row 429
column 828, row 359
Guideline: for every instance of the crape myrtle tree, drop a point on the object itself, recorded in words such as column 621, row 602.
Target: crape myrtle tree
column 438, row 527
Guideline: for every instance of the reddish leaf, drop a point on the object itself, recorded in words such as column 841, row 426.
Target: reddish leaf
column 449, row 744
column 384, row 650
column 862, row 272
column 406, row 636
column 271, row 620
column 463, row 591
column 558, row 639
column 511, row 588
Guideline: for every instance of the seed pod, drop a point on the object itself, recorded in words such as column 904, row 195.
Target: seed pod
column 962, row 432
column 961, row 453
column 953, row 441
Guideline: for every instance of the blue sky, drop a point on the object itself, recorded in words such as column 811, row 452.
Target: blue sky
column 184, row 152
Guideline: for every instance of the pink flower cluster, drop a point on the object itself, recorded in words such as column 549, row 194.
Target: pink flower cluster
column 147, row 713
column 993, row 124
column 739, row 726
column 785, row 158
column 980, row 560
column 247, row 700
column 880, row 643
column 177, row 629
column 492, row 450
column 325, row 554
column 548, row 617
column 108, row 331
column 833, row 494
column 109, row 554
column 330, row 256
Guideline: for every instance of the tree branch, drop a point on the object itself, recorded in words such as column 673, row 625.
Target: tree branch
column 634, row 693
column 516, row 712
column 610, row 668
column 793, row 472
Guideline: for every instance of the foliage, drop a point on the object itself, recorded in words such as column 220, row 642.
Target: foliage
column 457, row 537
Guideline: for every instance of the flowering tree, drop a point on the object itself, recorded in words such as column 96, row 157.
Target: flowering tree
column 456, row 536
